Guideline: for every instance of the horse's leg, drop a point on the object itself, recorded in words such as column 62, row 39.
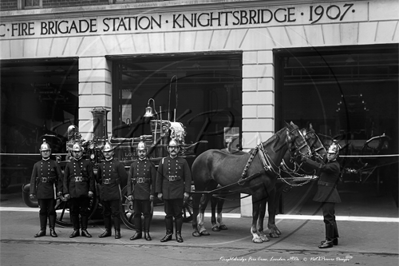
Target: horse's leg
column 203, row 203
column 255, row 214
column 274, row 198
column 196, row 202
column 262, row 212
column 220, row 202
column 214, row 203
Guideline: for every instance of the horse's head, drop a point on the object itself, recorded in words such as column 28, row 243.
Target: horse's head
column 316, row 146
column 296, row 140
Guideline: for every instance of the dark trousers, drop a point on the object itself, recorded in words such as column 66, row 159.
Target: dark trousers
column 142, row 207
column 173, row 209
column 111, row 211
column 329, row 220
column 47, row 209
column 79, row 206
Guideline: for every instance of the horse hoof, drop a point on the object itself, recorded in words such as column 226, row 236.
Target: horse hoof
column 223, row 227
column 265, row 238
column 205, row 233
column 257, row 240
column 196, row 234
column 215, row 228
column 274, row 235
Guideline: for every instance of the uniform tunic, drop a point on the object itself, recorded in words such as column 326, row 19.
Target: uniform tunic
column 46, row 176
column 327, row 183
column 142, row 178
column 174, row 178
column 110, row 174
column 79, row 178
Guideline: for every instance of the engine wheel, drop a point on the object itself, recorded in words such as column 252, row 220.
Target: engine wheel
column 63, row 218
column 25, row 196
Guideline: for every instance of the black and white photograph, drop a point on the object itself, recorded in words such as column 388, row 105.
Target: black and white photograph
column 199, row 132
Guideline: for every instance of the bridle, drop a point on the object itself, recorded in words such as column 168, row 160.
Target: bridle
column 314, row 152
column 267, row 163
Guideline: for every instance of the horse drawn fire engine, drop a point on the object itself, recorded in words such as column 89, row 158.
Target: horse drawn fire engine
column 125, row 151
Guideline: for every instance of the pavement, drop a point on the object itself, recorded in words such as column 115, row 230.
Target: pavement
column 369, row 229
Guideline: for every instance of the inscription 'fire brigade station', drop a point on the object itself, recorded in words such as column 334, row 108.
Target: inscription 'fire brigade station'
column 309, row 14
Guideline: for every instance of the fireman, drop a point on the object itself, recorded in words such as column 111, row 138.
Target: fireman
column 78, row 188
column 173, row 186
column 45, row 184
column 111, row 173
column 141, row 189
column 327, row 193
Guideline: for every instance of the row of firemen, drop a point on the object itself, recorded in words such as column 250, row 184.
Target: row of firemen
column 171, row 182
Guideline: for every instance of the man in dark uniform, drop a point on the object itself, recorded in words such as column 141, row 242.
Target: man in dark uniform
column 141, row 189
column 45, row 181
column 78, row 188
column 173, row 186
column 327, row 193
column 110, row 174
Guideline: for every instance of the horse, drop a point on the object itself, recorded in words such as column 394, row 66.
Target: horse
column 290, row 170
column 254, row 173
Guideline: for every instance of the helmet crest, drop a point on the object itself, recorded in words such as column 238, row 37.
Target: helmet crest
column 141, row 146
column 45, row 146
column 77, row 147
column 107, row 147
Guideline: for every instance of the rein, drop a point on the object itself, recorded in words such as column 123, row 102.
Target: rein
column 267, row 163
column 293, row 173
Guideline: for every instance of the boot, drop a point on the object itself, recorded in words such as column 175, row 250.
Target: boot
column 52, row 226
column 75, row 233
column 178, row 225
column 41, row 233
column 43, row 225
column 137, row 235
column 147, row 221
column 147, row 236
column 117, row 226
column 107, row 232
column 328, row 243
column 167, row 237
column 85, row 222
column 169, row 229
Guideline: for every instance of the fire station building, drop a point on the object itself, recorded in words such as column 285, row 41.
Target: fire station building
column 230, row 71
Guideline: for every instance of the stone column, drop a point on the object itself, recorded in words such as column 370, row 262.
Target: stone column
column 258, row 105
column 95, row 90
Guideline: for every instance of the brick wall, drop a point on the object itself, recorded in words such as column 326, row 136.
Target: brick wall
column 8, row 5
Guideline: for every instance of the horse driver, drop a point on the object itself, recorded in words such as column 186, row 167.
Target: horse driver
column 110, row 174
column 46, row 179
column 327, row 193
column 78, row 188
column 141, row 189
column 173, row 186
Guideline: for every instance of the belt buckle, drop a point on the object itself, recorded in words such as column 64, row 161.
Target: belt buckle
column 78, row 178
column 44, row 179
column 172, row 178
column 106, row 181
column 140, row 180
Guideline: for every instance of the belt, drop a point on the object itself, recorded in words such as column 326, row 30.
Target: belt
column 173, row 178
column 326, row 184
column 45, row 179
column 107, row 181
column 79, row 179
column 141, row 180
